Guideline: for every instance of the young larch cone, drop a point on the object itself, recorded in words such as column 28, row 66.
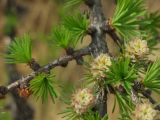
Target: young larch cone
column 137, row 48
column 145, row 111
column 99, row 65
column 82, row 100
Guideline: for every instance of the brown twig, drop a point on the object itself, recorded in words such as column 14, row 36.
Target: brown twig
column 139, row 88
column 149, row 97
column 107, row 27
column 34, row 65
column 48, row 67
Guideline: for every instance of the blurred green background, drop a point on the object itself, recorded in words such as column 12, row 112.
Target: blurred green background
column 37, row 17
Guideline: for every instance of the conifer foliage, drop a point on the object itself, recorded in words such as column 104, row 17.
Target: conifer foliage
column 130, row 76
column 19, row 51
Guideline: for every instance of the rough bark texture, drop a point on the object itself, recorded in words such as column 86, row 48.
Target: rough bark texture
column 98, row 36
column 99, row 46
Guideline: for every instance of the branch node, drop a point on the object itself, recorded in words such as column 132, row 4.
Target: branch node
column 64, row 64
column 34, row 65
column 138, row 86
column 91, row 30
column 79, row 59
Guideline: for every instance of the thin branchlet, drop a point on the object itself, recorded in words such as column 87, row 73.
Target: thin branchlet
column 58, row 62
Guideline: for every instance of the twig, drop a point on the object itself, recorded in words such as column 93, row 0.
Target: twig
column 149, row 97
column 34, row 65
column 107, row 27
column 139, row 88
column 115, row 37
column 46, row 68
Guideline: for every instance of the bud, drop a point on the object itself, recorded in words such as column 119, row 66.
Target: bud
column 137, row 48
column 144, row 111
column 99, row 65
column 24, row 92
column 82, row 100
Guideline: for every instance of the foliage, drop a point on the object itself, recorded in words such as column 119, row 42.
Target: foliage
column 19, row 51
column 130, row 21
column 150, row 24
column 125, row 19
column 70, row 114
column 121, row 73
column 77, row 24
column 71, row 3
column 42, row 85
column 152, row 77
column 94, row 116
column 5, row 116
column 125, row 104
column 63, row 37
column 73, row 29
column 66, row 95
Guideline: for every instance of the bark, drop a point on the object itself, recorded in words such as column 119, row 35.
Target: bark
column 98, row 46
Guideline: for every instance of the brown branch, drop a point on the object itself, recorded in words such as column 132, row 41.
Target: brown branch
column 98, row 45
column 107, row 27
column 34, row 65
column 115, row 37
column 46, row 68
column 149, row 97
column 139, row 88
